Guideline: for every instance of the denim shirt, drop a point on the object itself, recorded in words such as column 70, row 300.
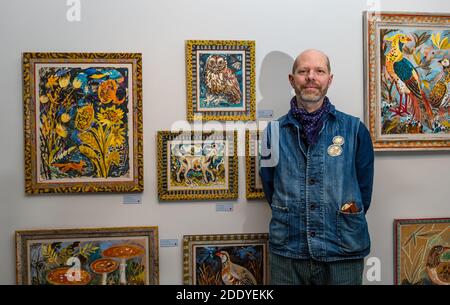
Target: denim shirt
column 306, row 188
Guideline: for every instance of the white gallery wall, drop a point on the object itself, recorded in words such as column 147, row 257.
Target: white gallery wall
column 407, row 184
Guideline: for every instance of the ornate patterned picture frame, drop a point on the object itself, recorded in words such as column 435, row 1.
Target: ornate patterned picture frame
column 197, row 165
column 230, row 259
column 422, row 251
column 83, row 122
column 253, row 180
column 407, row 80
column 91, row 256
column 220, row 80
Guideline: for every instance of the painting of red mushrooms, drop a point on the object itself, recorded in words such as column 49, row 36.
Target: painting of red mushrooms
column 107, row 256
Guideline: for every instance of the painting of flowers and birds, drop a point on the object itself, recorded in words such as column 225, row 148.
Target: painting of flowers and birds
column 408, row 73
column 83, row 119
column 415, row 81
column 229, row 259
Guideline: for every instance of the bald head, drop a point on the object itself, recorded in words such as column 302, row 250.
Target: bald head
column 309, row 53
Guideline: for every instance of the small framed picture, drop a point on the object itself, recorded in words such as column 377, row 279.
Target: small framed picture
column 407, row 101
column 422, row 251
column 94, row 256
column 197, row 165
column 225, row 259
column 254, row 188
column 220, row 80
column 83, row 122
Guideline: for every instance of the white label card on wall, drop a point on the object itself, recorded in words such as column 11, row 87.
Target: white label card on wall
column 265, row 114
column 132, row 199
column 220, row 207
column 168, row 242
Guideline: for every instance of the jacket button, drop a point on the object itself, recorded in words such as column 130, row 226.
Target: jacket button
column 311, row 181
column 312, row 234
column 312, row 207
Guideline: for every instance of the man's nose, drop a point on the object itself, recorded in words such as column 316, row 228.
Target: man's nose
column 311, row 75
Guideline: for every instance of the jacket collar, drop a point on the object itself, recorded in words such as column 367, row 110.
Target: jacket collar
column 289, row 119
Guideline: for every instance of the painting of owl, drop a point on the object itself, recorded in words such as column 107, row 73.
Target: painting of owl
column 220, row 81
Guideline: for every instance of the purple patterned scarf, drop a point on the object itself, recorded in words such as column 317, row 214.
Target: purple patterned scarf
column 311, row 122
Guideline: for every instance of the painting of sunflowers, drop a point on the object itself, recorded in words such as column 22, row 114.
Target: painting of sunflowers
column 422, row 251
column 197, row 165
column 408, row 80
column 83, row 122
column 225, row 259
column 106, row 256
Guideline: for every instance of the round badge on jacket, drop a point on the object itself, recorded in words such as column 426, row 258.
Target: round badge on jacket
column 338, row 140
column 334, row 150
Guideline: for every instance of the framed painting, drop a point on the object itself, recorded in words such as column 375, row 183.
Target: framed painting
column 254, row 188
column 220, row 80
column 407, row 80
column 96, row 256
column 197, row 165
column 225, row 259
column 422, row 251
column 83, row 122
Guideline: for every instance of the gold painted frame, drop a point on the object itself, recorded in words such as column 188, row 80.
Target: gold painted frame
column 253, row 181
column 421, row 251
column 40, row 253
column 70, row 99
column 398, row 119
column 202, row 107
column 249, row 251
column 184, row 180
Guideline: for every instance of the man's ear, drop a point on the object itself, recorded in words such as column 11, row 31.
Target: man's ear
column 330, row 80
column 291, row 79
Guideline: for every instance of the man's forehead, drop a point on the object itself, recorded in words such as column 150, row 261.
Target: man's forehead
column 312, row 60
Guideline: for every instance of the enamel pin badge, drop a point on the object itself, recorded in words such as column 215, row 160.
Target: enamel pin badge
column 338, row 140
column 335, row 149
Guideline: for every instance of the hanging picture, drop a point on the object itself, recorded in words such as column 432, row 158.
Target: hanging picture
column 408, row 80
column 83, row 122
column 422, row 251
column 197, row 165
column 254, row 188
column 220, row 80
column 106, row 256
column 225, row 259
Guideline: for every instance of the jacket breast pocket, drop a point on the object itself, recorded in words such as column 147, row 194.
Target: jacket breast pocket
column 352, row 232
column 279, row 226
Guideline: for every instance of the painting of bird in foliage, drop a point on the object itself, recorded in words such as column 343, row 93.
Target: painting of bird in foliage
column 422, row 251
column 226, row 259
column 407, row 84
column 414, row 81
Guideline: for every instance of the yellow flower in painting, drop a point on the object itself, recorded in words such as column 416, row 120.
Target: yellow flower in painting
column 51, row 81
column 43, row 99
column 61, row 130
column 117, row 136
column 65, row 118
column 107, row 91
column 64, row 81
column 110, row 116
column 84, row 118
column 77, row 83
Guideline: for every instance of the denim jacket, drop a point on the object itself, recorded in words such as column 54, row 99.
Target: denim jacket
column 307, row 186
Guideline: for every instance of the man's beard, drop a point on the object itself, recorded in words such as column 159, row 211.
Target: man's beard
column 313, row 97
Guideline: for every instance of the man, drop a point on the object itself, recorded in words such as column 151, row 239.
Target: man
column 317, row 175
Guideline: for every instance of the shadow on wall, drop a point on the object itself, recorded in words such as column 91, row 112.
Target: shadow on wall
column 274, row 83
